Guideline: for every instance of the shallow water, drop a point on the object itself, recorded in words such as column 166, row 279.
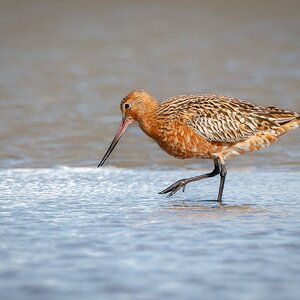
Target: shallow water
column 107, row 234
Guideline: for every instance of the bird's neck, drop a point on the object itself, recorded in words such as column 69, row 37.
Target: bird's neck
column 148, row 119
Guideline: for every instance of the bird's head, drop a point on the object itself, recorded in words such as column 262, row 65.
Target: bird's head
column 134, row 107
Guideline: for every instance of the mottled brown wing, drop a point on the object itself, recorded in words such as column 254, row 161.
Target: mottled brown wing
column 223, row 119
column 223, row 125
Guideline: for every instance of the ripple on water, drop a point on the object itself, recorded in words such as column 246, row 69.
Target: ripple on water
column 110, row 231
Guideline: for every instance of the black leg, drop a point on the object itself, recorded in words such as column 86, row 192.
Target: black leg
column 222, row 181
column 175, row 187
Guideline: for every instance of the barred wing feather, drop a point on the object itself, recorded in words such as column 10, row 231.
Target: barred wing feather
column 224, row 119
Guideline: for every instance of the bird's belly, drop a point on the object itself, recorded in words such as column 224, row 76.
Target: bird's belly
column 182, row 142
column 258, row 141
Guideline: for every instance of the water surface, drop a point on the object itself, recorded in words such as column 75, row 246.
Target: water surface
column 107, row 234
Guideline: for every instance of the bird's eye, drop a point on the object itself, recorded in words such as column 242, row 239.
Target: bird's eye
column 127, row 105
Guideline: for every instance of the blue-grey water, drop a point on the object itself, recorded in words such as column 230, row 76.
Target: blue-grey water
column 71, row 231
column 74, row 233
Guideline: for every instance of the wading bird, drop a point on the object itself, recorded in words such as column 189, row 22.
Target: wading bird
column 204, row 126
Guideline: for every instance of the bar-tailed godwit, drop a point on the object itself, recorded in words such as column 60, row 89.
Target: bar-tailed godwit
column 204, row 126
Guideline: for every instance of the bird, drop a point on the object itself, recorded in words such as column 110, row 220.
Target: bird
column 205, row 126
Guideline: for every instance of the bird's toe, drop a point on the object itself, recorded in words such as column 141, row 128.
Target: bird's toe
column 174, row 188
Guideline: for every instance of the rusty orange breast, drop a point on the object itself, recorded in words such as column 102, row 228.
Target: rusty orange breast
column 181, row 141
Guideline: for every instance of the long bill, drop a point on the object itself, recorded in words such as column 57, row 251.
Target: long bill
column 124, row 124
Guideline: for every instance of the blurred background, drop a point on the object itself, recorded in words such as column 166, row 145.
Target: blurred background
column 66, row 65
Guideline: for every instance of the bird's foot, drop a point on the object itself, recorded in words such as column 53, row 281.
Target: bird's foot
column 175, row 187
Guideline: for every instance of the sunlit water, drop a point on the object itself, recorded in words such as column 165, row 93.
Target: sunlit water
column 84, row 233
column 107, row 234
